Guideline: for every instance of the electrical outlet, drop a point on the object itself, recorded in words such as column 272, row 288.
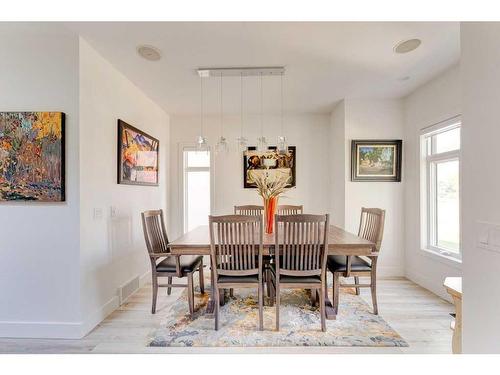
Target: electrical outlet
column 113, row 211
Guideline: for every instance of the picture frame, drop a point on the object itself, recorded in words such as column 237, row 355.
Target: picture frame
column 137, row 156
column 32, row 156
column 376, row 160
column 290, row 163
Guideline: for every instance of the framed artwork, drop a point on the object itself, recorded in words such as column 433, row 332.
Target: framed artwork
column 137, row 156
column 376, row 160
column 270, row 162
column 32, row 156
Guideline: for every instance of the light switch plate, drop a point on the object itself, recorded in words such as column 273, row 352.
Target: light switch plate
column 97, row 213
column 488, row 236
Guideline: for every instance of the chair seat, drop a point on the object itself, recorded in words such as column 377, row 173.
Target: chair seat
column 224, row 279
column 337, row 263
column 188, row 263
column 286, row 279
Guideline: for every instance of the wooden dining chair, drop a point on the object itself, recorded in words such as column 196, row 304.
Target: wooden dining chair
column 236, row 244
column 301, row 248
column 251, row 210
column 371, row 228
column 287, row 209
column 164, row 264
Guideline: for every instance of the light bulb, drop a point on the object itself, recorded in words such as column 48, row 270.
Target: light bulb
column 242, row 143
column 262, row 144
column 221, row 145
column 282, row 146
column 201, row 143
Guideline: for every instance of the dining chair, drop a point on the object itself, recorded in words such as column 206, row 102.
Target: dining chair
column 251, row 210
column 371, row 228
column 236, row 244
column 287, row 209
column 164, row 264
column 301, row 244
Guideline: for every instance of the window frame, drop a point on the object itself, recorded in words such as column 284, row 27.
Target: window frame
column 429, row 160
column 184, row 170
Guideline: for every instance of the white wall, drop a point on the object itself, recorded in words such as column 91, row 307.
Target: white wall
column 309, row 133
column 376, row 119
column 112, row 248
column 433, row 102
column 337, row 160
column 39, row 271
column 480, row 65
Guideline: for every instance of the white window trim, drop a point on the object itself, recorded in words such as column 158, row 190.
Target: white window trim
column 182, row 180
column 428, row 207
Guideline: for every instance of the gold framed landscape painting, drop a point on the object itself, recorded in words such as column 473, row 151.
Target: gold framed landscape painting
column 376, row 160
column 32, row 156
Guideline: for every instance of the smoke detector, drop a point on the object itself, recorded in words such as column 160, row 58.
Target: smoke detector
column 406, row 46
column 149, row 52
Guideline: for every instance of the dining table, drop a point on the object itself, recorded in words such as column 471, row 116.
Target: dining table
column 340, row 242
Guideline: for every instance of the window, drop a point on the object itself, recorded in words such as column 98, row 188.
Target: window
column 440, row 172
column 196, row 188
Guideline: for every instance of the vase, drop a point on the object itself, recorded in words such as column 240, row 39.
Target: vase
column 270, row 206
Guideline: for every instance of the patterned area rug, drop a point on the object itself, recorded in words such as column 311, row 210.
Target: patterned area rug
column 299, row 323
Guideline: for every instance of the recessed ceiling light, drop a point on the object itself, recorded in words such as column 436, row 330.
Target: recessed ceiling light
column 406, row 46
column 149, row 52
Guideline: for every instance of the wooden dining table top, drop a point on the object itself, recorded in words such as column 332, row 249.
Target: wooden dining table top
column 340, row 242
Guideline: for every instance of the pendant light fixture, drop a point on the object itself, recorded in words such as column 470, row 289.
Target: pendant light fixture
column 282, row 146
column 262, row 142
column 221, row 145
column 241, row 140
column 201, row 141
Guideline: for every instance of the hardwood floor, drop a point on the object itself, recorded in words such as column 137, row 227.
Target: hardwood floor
column 419, row 316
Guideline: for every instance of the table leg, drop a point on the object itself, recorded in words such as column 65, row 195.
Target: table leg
column 211, row 303
column 331, row 314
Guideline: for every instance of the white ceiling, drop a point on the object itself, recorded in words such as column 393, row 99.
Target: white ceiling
column 325, row 62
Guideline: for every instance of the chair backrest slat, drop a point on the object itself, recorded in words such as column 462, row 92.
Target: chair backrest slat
column 302, row 241
column 249, row 210
column 286, row 209
column 235, row 243
column 371, row 225
column 155, row 234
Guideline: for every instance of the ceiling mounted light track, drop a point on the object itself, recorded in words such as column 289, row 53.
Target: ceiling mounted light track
column 241, row 71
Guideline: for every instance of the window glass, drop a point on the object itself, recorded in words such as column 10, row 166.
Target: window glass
column 447, row 141
column 198, row 159
column 448, row 206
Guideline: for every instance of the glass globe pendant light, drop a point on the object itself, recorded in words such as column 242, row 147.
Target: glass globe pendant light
column 221, row 145
column 261, row 141
column 201, row 141
column 282, row 146
column 241, row 140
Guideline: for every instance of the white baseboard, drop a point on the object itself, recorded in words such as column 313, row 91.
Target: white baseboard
column 36, row 330
column 99, row 315
column 145, row 279
column 437, row 289
column 64, row 330
column 389, row 271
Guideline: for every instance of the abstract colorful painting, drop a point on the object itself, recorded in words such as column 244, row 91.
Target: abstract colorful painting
column 137, row 156
column 270, row 162
column 32, row 156
column 377, row 160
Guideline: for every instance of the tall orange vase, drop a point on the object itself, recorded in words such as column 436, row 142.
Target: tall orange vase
column 270, row 206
